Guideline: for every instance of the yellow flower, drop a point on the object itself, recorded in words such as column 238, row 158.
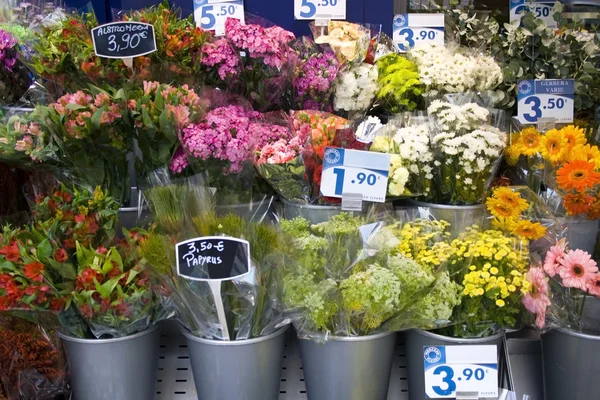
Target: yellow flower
column 510, row 197
column 512, row 288
column 574, row 136
column 504, row 224
column 83, row 210
column 500, row 303
column 499, row 209
column 585, row 152
column 529, row 142
column 98, row 194
column 529, row 230
column 554, row 146
column 494, row 271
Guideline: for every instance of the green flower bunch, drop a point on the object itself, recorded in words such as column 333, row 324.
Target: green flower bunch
column 400, row 88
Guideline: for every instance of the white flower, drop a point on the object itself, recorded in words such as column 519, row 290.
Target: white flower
column 356, row 88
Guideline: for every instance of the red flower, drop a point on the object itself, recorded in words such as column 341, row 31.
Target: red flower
column 57, row 304
column 86, row 311
column 92, row 225
column 34, row 271
column 66, row 197
column 11, row 252
column 52, row 206
column 69, row 244
column 104, row 306
column 122, row 310
column 79, row 218
column 102, row 250
column 6, row 303
column 39, row 199
column 61, row 255
column 5, row 279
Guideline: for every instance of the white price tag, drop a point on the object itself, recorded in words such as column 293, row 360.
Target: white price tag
column 546, row 98
column 463, row 369
column 355, row 171
column 412, row 30
column 210, row 15
column 541, row 9
column 320, row 9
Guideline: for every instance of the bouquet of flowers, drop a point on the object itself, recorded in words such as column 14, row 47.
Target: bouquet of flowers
column 349, row 41
column 355, row 88
column 467, row 150
column 159, row 113
column 399, row 83
column 186, row 211
column 315, row 73
column 25, row 143
column 343, row 279
column 14, row 76
column 565, row 162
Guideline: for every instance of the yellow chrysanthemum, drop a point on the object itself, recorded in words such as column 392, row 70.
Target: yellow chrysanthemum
column 504, row 224
column 574, row 135
column 529, row 230
column 585, row 152
column 500, row 303
column 529, row 142
column 511, row 198
column 554, row 146
column 500, row 209
column 513, row 151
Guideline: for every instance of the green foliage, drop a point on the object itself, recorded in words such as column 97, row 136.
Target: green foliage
column 399, row 85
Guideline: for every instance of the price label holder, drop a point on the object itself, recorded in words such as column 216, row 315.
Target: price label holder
column 124, row 40
column 210, row 15
column 319, row 9
column 214, row 259
column 546, row 98
column 461, row 371
column 412, row 30
column 355, row 172
column 543, row 10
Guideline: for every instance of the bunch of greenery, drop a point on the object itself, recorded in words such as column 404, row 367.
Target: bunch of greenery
column 399, row 86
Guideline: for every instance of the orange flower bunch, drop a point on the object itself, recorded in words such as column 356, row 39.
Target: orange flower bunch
column 575, row 172
column 507, row 207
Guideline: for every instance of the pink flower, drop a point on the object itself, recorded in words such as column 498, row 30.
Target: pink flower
column 131, row 104
column 579, row 268
column 593, row 286
column 25, row 144
column 34, row 129
column 552, row 263
column 179, row 162
column 102, row 99
column 536, row 301
column 150, row 87
column 220, row 53
column 181, row 114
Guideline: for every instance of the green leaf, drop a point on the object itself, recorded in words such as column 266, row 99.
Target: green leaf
column 7, row 266
column 132, row 274
column 66, row 270
column 44, row 249
column 74, row 107
column 109, row 286
column 100, row 288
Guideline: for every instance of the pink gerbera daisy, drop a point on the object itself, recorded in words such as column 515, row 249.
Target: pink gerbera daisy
column 593, row 285
column 579, row 268
column 552, row 263
column 536, row 301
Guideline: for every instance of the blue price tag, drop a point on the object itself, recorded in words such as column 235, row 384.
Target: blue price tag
column 411, row 30
column 546, row 98
column 210, row 15
column 320, row 9
column 355, row 172
column 462, row 369
column 541, row 9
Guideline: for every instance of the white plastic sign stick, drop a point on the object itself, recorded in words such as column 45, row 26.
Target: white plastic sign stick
column 546, row 98
column 215, row 288
column 355, row 172
column 461, row 371
column 543, row 10
column 320, row 9
column 413, row 30
column 211, row 15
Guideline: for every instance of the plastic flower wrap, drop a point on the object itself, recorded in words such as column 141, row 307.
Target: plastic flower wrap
column 355, row 88
column 343, row 279
column 23, row 142
column 315, row 73
column 565, row 162
column 33, row 364
column 399, row 82
column 14, row 76
column 349, row 41
column 444, row 70
column 321, row 129
column 186, row 211
column 159, row 113
column 411, row 169
column 467, row 151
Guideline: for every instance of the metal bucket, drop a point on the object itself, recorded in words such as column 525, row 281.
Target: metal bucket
column 525, row 352
column 417, row 339
column 571, row 363
column 238, row 369
column 315, row 214
column 581, row 233
column 114, row 369
column 356, row 367
column 459, row 217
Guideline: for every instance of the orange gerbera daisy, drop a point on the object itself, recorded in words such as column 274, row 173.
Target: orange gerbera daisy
column 577, row 175
column 529, row 230
column 510, row 198
column 574, row 135
column 585, row 152
column 554, row 146
column 529, row 141
column 500, row 209
column 578, row 203
column 594, row 211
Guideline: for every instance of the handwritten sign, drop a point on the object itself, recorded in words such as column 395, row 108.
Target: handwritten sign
column 123, row 39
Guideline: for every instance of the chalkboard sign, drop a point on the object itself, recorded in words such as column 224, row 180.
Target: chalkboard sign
column 213, row 258
column 123, row 39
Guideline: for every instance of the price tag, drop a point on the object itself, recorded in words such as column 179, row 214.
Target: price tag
column 541, row 9
column 546, row 98
column 411, row 30
column 213, row 258
column 320, row 9
column 210, row 15
column 355, row 172
column 461, row 369
column 123, row 39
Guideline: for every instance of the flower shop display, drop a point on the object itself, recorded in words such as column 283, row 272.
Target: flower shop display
column 356, row 88
column 14, row 77
column 567, row 165
column 349, row 41
column 399, row 83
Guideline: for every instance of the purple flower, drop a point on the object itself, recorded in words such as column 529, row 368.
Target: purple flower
column 222, row 55
column 314, row 78
column 8, row 53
